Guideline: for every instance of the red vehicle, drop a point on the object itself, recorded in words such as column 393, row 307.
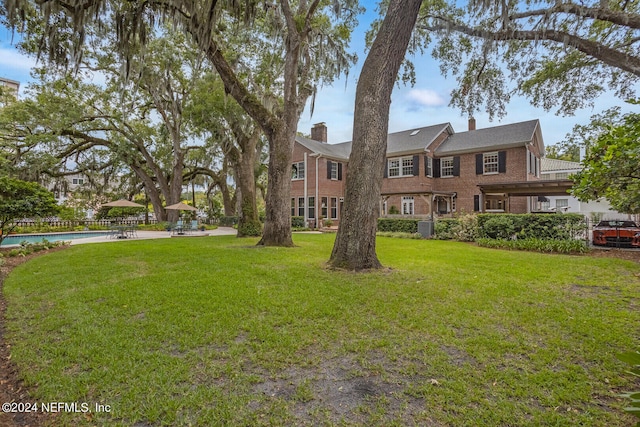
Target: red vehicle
column 617, row 233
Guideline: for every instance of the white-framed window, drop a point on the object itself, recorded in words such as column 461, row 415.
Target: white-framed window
column 297, row 170
column 490, row 163
column 334, row 208
column 446, row 166
column 429, row 166
column 562, row 175
column 400, row 166
column 77, row 181
column 407, row 205
column 301, row 206
column 293, row 206
column 334, row 171
column 324, row 207
column 562, row 203
column 311, row 211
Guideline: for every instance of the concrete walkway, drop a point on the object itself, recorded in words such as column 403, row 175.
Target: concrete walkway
column 145, row 235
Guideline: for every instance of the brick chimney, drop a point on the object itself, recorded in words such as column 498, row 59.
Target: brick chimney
column 472, row 123
column 319, row 132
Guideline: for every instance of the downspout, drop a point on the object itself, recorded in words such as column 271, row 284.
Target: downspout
column 316, row 199
column 306, row 192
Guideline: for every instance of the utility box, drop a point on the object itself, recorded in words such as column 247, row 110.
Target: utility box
column 425, row 228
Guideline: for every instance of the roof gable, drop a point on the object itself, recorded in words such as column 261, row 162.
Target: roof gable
column 498, row 137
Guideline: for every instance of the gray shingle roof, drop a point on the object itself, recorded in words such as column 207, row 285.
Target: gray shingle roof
column 550, row 165
column 506, row 136
column 418, row 139
column 406, row 141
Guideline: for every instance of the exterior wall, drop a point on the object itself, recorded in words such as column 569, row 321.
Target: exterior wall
column 522, row 164
column 466, row 185
column 329, row 188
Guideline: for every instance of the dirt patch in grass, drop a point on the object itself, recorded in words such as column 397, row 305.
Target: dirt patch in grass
column 12, row 388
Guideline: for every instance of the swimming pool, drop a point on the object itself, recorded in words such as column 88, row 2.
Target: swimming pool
column 16, row 239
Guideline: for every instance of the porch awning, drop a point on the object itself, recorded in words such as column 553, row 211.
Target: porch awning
column 558, row 187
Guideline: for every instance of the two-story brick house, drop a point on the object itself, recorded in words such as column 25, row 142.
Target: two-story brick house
column 429, row 171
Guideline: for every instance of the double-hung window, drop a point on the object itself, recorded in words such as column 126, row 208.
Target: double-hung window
column 400, row 166
column 301, row 206
column 428, row 163
column 297, row 171
column 490, row 163
column 334, row 208
column 446, row 167
column 311, row 211
column 334, row 170
column 324, row 205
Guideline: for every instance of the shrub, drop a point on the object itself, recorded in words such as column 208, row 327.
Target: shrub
column 250, row 229
column 444, row 228
column 567, row 246
column 328, row 223
column 463, row 228
column 297, row 222
column 539, row 226
column 398, row 225
column 399, row 235
column 632, row 359
column 228, row 221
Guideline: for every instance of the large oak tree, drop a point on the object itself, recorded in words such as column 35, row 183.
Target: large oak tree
column 308, row 43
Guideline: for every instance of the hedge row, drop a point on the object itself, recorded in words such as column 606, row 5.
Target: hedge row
column 397, row 225
column 532, row 226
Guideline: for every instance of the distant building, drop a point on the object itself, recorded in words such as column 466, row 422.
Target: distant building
column 554, row 169
column 12, row 85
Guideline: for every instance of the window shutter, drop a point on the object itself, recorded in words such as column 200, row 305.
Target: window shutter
column 339, row 171
column 502, row 161
column 479, row 159
column 386, row 168
column 416, row 165
column 456, row 166
column 436, row 168
column 476, row 203
column 329, row 169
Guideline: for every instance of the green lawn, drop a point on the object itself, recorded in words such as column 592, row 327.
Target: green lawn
column 214, row 331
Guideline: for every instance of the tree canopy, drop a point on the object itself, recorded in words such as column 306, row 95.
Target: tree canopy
column 612, row 164
column 559, row 54
column 21, row 199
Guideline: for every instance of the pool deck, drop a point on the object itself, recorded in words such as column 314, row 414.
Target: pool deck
column 145, row 235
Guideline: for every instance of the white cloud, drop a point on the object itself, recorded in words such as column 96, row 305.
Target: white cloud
column 425, row 97
column 13, row 60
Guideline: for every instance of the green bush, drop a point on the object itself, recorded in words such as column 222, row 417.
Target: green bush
column 566, row 246
column 398, row 225
column 250, row 229
column 632, row 359
column 538, row 226
column 228, row 221
column 399, row 235
column 297, row 222
column 444, row 228
column 463, row 228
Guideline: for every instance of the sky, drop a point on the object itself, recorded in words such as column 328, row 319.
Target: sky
column 424, row 104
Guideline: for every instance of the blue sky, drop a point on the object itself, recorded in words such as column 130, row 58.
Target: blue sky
column 422, row 105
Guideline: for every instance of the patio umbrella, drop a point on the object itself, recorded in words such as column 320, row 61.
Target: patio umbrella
column 181, row 207
column 122, row 203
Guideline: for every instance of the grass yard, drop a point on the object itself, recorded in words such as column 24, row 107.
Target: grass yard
column 213, row 331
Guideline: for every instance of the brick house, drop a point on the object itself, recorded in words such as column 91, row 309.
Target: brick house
column 429, row 171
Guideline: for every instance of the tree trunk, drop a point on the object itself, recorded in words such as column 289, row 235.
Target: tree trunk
column 277, row 225
column 355, row 246
column 248, row 221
